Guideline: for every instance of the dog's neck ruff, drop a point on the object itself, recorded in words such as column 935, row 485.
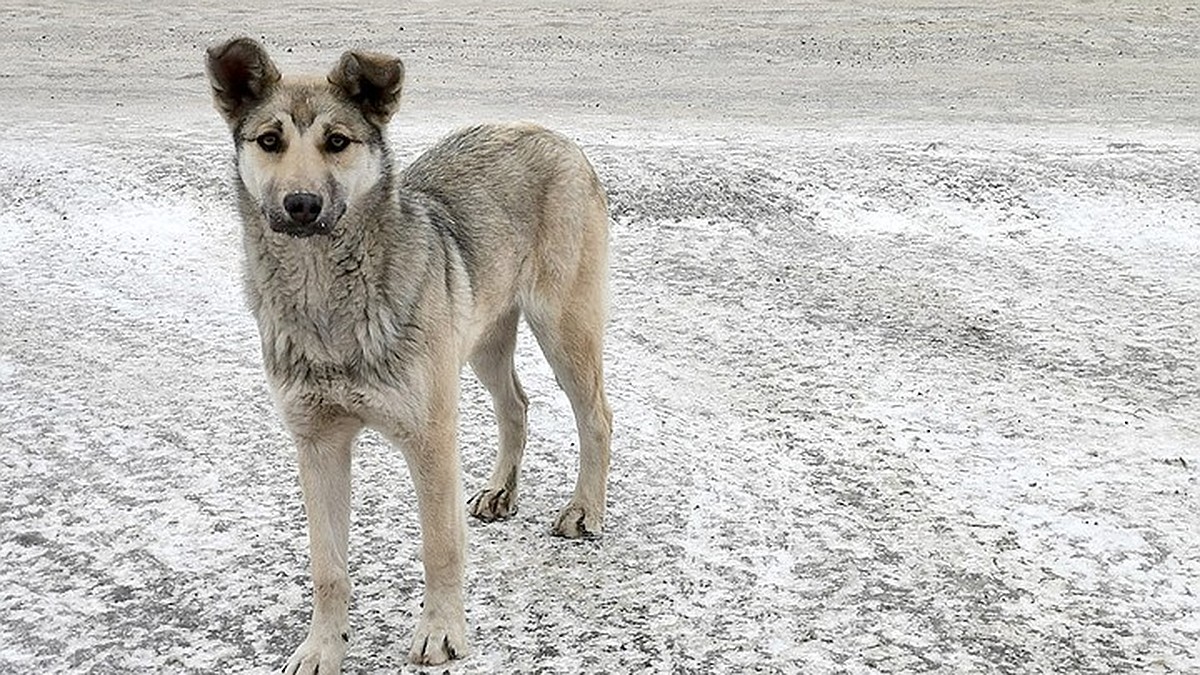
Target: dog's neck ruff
column 338, row 307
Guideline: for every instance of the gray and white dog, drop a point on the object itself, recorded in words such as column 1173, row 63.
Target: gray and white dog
column 372, row 288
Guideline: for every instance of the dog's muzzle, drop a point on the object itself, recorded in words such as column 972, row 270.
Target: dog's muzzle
column 303, row 216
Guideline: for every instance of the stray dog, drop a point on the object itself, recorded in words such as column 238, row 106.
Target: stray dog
column 371, row 288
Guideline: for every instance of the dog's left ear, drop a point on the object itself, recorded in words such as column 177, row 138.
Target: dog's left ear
column 372, row 81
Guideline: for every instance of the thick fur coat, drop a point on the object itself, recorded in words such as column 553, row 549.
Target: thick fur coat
column 372, row 288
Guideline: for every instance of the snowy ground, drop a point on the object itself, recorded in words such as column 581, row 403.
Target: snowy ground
column 903, row 355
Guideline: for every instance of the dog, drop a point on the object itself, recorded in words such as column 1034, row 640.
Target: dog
column 372, row 287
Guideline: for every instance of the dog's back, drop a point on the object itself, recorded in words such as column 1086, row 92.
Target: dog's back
column 517, row 195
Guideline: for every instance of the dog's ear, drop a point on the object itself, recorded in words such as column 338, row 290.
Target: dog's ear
column 372, row 81
column 241, row 75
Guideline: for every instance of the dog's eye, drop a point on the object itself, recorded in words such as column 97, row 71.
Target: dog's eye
column 269, row 141
column 336, row 143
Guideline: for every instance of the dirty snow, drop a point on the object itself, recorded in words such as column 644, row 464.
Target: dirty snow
column 903, row 354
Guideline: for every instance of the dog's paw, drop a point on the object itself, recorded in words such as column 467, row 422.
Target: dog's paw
column 578, row 522
column 318, row 655
column 438, row 640
column 492, row 505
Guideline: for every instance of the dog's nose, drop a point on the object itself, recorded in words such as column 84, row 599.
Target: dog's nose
column 302, row 207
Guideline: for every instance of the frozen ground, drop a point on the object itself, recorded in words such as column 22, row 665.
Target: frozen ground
column 903, row 354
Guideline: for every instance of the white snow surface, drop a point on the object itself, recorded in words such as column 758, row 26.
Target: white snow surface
column 903, row 352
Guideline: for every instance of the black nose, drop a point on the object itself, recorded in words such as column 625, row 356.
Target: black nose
column 302, row 207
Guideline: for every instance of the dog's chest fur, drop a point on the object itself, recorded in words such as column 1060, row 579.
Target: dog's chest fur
column 334, row 320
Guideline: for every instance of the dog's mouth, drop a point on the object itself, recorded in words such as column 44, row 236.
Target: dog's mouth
column 292, row 228
column 301, row 226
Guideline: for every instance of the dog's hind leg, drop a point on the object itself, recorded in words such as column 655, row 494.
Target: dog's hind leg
column 572, row 344
column 493, row 365
column 570, row 330
column 324, row 455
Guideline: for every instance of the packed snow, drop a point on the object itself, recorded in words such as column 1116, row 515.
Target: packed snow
column 903, row 351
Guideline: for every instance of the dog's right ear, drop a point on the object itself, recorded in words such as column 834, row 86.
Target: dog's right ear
column 241, row 75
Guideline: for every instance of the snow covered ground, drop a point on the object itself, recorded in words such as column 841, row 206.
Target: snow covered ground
column 903, row 354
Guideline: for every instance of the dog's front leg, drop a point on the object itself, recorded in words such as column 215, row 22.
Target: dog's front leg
column 324, row 452
column 432, row 456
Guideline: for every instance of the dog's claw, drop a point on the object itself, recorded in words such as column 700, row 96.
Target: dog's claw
column 491, row 505
column 439, row 638
column 315, row 652
column 577, row 522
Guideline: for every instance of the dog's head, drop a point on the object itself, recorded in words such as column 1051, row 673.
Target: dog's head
column 308, row 149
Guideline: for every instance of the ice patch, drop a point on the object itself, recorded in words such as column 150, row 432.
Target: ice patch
column 850, row 217
column 7, row 370
column 13, row 235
